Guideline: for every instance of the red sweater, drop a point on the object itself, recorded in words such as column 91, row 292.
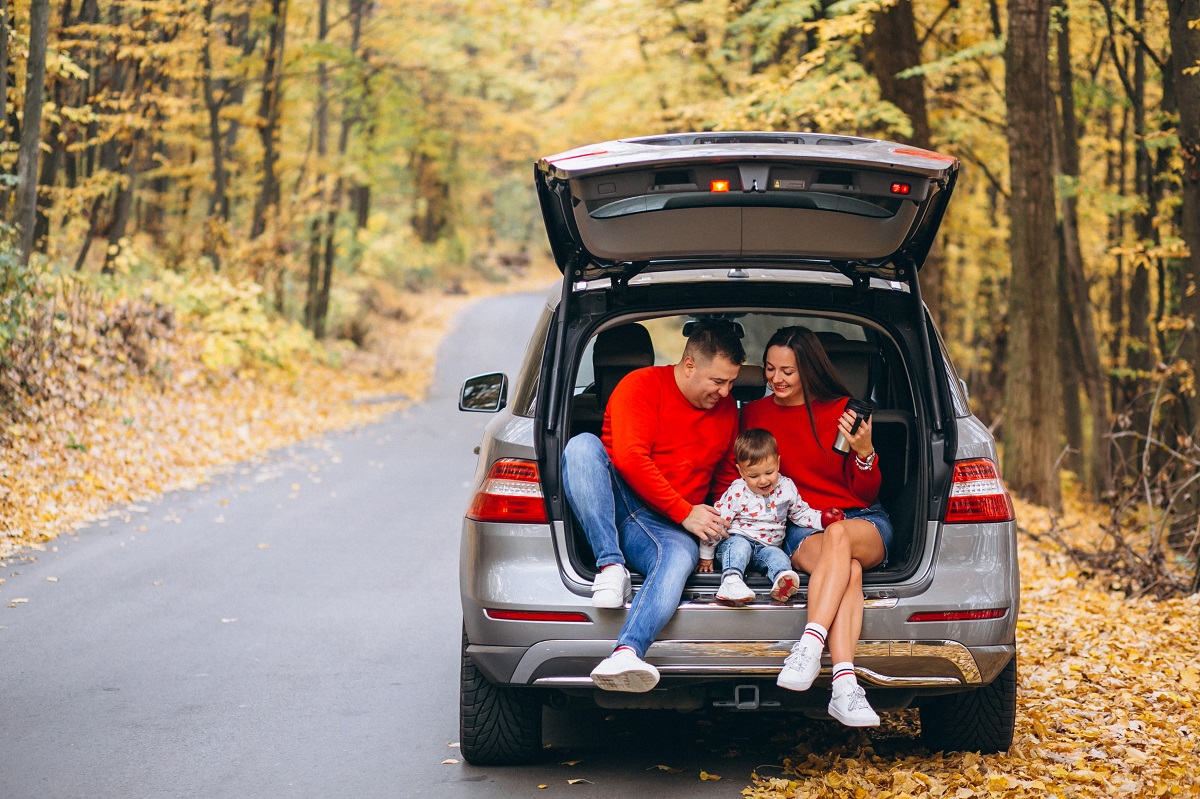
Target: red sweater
column 664, row 447
column 825, row 478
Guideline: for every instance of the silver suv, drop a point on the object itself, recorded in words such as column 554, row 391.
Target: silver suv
column 765, row 230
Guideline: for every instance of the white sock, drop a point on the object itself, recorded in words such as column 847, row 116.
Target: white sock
column 843, row 677
column 814, row 634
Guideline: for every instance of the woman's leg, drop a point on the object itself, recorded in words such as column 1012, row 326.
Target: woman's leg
column 827, row 557
column 847, row 623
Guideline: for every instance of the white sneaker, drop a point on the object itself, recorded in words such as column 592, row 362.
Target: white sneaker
column 734, row 589
column 785, row 585
column 625, row 671
column 801, row 667
column 852, row 708
column 611, row 588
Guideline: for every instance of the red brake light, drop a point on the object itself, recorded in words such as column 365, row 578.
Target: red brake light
column 718, row 185
column 959, row 615
column 511, row 492
column 901, row 188
column 535, row 615
column 977, row 494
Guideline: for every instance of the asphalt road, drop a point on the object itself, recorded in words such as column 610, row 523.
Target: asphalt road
column 291, row 629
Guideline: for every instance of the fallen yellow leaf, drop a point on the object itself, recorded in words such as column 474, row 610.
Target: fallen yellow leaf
column 704, row 775
column 580, row 781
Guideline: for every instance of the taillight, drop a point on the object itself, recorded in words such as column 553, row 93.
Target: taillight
column 977, row 494
column 959, row 615
column 511, row 492
column 535, row 615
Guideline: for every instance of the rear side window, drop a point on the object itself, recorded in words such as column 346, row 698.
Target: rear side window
column 524, row 396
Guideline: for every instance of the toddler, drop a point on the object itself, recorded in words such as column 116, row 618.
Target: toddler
column 758, row 506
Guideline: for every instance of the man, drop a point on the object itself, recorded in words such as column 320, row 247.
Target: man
column 638, row 490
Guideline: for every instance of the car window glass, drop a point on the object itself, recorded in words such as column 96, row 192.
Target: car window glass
column 524, row 393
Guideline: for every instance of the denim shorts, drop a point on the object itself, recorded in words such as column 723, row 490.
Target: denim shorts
column 875, row 514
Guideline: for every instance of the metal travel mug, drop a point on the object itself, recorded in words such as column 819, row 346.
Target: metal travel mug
column 862, row 410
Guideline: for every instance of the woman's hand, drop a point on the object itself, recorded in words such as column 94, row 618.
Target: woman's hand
column 860, row 441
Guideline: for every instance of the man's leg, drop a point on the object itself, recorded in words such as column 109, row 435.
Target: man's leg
column 588, row 483
column 667, row 554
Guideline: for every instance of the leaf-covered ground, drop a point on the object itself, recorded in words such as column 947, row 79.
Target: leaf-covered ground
column 1108, row 685
column 1107, row 701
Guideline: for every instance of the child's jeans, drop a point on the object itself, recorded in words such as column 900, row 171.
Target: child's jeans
column 737, row 553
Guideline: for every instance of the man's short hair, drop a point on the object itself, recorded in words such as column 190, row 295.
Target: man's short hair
column 755, row 446
column 713, row 337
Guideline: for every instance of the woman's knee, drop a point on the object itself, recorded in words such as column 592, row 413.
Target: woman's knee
column 856, row 575
column 837, row 537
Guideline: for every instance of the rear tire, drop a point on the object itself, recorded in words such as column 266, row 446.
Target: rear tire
column 981, row 720
column 497, row 726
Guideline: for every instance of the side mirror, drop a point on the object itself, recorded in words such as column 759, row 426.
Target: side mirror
column 484, row 393
column 963, row 385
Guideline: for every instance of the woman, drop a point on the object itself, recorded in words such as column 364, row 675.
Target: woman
column 805, row 411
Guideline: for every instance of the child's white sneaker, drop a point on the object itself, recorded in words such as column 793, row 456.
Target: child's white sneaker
column 734, row 589
column 801, row 667
column 625, row 671
column 611, row 587
column 785, row 585
column 850, row 707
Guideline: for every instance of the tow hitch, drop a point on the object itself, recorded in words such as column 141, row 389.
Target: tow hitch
column 745, row 697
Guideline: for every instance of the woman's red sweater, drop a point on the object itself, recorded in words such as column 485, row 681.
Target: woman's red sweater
column 825, row 477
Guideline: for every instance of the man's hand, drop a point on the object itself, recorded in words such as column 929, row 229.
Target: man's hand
column 705, row 566
column 706, row 524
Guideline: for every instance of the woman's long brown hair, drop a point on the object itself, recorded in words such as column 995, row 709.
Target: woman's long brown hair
column 819, row 379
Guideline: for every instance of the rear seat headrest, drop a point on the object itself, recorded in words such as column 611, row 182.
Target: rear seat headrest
column 852, row 359
column 750, row 384
column 627, row 345
column 616, row 353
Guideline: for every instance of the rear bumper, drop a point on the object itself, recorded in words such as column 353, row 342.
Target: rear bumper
column 885, row 664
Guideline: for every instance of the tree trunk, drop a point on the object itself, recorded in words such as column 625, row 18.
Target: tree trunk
column 268, row 117
column 4, row 33
column 349, row 115
column 1185, row 54
column 894, row 49
column 1082, row 326
column 31, row 127
column 1032, row 422
column 313, row 320
column 218, row 201
column 122, row 210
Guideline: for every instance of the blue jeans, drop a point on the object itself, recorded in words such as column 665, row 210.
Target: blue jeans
column 621, row 529
column 875, row 514
column 737, row 552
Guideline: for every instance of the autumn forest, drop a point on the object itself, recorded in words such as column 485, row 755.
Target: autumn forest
column 292, row 156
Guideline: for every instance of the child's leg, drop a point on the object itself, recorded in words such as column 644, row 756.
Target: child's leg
column 735, row 553
column 770, row 560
